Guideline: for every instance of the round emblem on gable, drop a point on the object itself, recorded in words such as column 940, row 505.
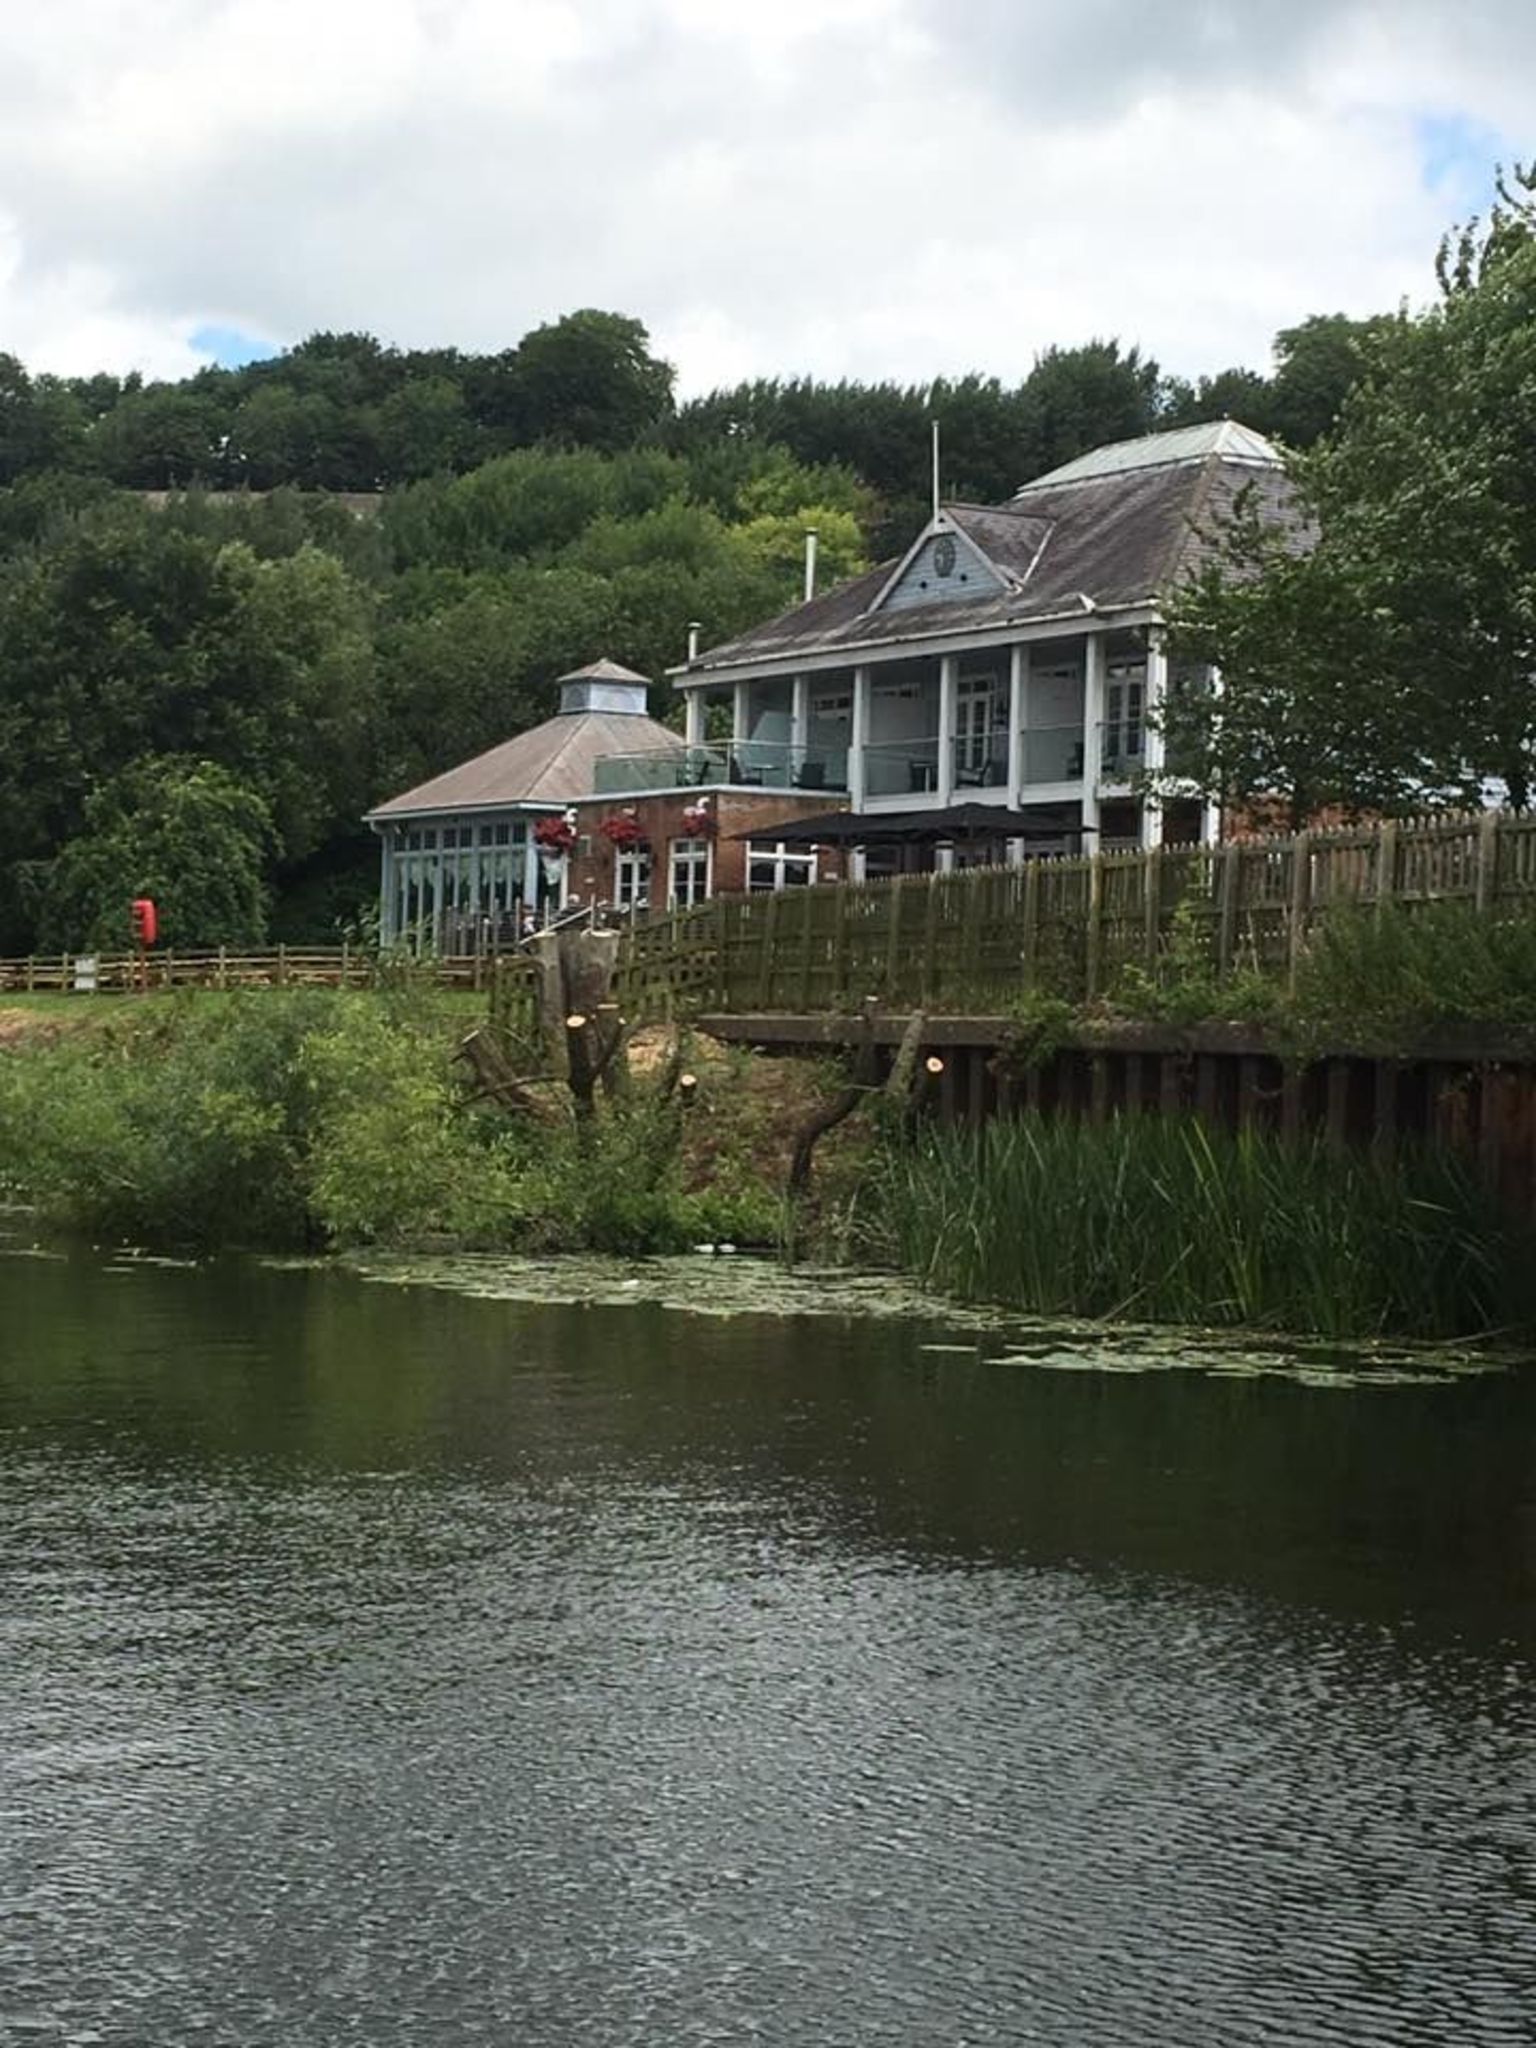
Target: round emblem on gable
column 944, row 554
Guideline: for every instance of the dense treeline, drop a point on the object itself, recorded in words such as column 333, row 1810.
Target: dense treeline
column 213, row 661
column 342, row 412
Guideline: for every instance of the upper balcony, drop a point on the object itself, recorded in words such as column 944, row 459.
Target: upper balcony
column 740, row 764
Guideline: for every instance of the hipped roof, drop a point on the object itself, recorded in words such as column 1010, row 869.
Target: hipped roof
column 548, row 768
column 1085, row 540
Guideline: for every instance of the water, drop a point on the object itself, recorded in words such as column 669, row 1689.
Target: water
column 384, row 1665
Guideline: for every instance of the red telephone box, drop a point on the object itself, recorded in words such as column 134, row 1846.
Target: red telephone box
column 146, row 924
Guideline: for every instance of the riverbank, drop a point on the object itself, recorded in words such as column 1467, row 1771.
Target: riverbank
column 329, row 1121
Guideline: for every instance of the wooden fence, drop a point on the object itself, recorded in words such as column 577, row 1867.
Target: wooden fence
column 966, row 941
column 226, row 967
column 971, row 939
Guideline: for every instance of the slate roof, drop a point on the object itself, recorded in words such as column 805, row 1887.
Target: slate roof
column 1100, row 538
column 551, row 766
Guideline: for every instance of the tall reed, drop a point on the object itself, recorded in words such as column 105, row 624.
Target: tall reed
column 1164, row 1220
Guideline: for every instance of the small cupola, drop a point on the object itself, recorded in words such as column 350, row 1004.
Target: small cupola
column 604, row 686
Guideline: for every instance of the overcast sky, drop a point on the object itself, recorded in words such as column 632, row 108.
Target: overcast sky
column 863, row 187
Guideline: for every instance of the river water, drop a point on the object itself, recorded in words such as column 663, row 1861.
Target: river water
column 385, row 1664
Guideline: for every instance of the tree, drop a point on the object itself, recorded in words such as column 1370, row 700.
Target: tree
column 590, row 381
column 184, row 832
column 1417, row 608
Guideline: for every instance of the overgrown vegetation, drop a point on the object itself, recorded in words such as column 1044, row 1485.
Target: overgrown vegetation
column 1382, row 979
column 1167, row 1221
column 318, row 1119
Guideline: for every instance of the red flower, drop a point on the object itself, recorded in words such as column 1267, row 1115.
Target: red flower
column 622, row 831
column 698, row 821
column 554, row 835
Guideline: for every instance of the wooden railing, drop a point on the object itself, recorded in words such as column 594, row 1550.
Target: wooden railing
column 228, row 967
column 976, row 937
column 959, row 941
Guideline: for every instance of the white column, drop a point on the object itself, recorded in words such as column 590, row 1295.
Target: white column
column 530, row 867
column 799, row 722
column 387, row 932
column 1093, row 737
column 1018, row 691
column 1210, row 810
column 858, row 739
column 949, row 697
column 693, row 713
column 741, row 714
column 1153, row 745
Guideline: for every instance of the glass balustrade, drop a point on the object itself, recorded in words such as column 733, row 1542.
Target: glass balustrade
column 1122, row 749
column 980, row 761
column 1053, row 753
column 723, row 764
column 901, row 768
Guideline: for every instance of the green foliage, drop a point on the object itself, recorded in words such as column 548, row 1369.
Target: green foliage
column 1394, row 980
column 187, row 1130
column 1166, row 1221
column 1187, row 986
column 183, row 832
column 1039, row 1025
column 324, row 1118
column 1392, row 667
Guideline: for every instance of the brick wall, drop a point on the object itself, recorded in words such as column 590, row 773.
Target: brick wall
column 660, row 819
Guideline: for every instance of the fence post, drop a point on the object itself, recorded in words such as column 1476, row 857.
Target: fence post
column 930, row 937
column 1487, row 885
column 1029, row 951
column 1152, row 903
column 1094, row 936
column 765, row 965
column 893, row 937
column 1226, row 930
column 282, row 967
column 1301, row 904
column 720, row 911
column 1386, row 866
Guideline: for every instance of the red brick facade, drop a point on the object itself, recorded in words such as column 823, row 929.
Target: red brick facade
column 660, row 820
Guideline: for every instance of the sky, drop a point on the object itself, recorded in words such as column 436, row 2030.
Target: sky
column 864, row 188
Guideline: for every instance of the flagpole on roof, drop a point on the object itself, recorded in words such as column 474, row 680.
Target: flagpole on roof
column 935, row 469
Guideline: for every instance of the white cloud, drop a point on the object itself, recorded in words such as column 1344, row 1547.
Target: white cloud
column 864, row 187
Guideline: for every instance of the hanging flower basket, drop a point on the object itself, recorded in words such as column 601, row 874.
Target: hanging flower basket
column 698, row 822
column 555, row 837
column 623, row 832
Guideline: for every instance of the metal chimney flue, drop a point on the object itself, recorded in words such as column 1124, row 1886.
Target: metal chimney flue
column 695, row 628
column 810, row 563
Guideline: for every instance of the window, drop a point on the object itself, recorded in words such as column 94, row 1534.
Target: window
column 771, row 866
column 632, row 877
column 688, row 882
column 1125, row 690
column 981, row 714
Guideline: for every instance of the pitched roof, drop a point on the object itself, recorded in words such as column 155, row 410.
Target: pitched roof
column 604, row 671
column 1226, row 438
column 1115, row 537
column 552, row 765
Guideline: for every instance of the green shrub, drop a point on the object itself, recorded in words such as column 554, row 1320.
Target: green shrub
column 1167, row 1221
